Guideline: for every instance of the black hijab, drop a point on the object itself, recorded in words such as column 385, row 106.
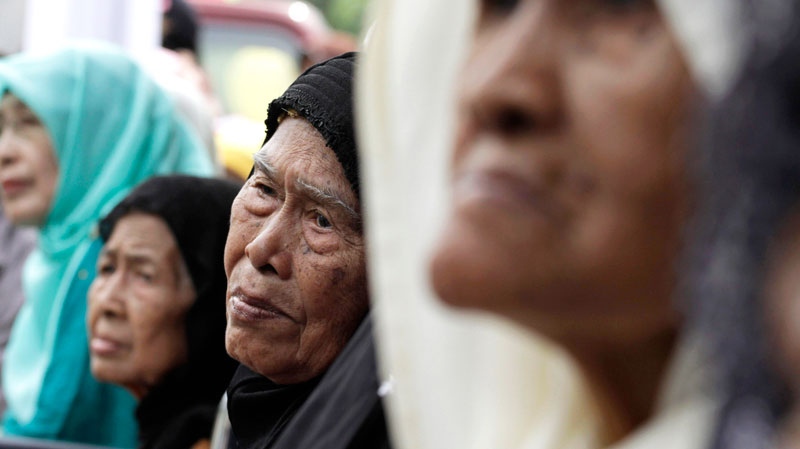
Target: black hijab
column 181, row 409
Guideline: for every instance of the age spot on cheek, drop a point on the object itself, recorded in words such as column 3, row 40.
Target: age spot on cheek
column 337, row 275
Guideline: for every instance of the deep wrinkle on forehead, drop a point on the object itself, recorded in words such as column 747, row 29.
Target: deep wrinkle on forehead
column 324, row 196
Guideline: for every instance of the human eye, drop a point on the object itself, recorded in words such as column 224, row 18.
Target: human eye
column 264, row 188
column 29, row 119
column 498, row 7
column 105, row 268
column 618, row 6
column 624, row 3
column 145, row 276
column 323, row 222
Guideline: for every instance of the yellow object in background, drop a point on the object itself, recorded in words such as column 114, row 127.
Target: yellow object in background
column 237, row 138
column 255, row 76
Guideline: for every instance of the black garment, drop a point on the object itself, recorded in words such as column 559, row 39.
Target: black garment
column 180, row 27
column 344, row 411
column 173, row 415
column 259, row 408
column 341, row 410
column 181, row 409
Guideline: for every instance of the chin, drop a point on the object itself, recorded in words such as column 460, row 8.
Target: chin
column 459, row 279
column 23, row 219
column 104, row 373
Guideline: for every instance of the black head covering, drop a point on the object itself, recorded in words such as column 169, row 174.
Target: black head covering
column 197, row 211
column 180, row 27
column 323, row 95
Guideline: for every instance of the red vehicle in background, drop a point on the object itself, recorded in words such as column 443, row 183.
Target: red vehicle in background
column 252, row 50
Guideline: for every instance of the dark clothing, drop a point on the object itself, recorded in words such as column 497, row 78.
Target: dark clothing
column 173, row 415
column 259, row 409
column 339, row 411
column 180, row 410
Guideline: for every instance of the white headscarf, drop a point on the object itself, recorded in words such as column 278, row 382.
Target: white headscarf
column 462, row 380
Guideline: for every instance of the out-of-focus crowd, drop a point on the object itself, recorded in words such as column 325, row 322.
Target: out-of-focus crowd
column 549, row 224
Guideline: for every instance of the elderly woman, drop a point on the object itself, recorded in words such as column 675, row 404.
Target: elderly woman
column 79, row 128
column 297, row 300
column 156, row 314
column 568, row 193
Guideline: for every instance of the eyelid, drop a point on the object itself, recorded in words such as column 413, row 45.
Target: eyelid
column 498, row 7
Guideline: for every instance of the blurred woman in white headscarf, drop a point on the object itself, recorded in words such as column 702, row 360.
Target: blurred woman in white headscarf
column 530, row 158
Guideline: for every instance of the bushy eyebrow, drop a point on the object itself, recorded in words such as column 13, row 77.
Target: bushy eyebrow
column 325, row 196
column 263, row 166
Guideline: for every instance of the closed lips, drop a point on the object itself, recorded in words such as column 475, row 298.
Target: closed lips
column 504, row 188
column 104, row 346
column 12, row 186
column 255, row 308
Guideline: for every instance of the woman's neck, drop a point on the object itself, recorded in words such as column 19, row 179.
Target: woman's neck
column 625, row 380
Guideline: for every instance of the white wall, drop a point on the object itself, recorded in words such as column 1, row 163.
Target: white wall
column 133, row 24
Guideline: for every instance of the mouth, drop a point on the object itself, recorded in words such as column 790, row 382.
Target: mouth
column 13, row 187
column 505, row 190
column 251, row 309
column 105, row 347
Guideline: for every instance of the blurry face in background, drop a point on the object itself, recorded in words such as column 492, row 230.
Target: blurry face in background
column 28, row 166
column 782, row 300
column 297, row 286
column 138, row 304
column 568, row 181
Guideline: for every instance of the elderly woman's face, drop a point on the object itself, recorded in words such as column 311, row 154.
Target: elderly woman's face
column 28, row 166
column 568, row 174
column 294, row 259
column 138, row 304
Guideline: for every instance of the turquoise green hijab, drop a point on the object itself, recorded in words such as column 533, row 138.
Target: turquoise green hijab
column 112, row 127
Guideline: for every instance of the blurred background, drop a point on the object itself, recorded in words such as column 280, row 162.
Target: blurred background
column 239, row 54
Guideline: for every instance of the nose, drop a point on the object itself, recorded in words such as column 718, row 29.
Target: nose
column 8, row 148
column 271, row 249
column 107, row 295
column 511, row 83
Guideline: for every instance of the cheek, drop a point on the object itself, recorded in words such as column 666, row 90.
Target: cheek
column 319, row 243
column 244, row 228
column 629, row 103
column 338, row 288
column 92, row 303
column 159, row 338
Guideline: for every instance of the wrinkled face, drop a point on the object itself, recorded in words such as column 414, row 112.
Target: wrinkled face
column 568, row 183
column 28, row 166
column 138, row 304
column 294, row 259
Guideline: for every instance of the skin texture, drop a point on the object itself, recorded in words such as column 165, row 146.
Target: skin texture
column 138, row 304
column 294, row 259
column 28, row 165
column 569, row 188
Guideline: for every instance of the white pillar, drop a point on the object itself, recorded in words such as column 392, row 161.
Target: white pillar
column 11, row 19
column 133, row 24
